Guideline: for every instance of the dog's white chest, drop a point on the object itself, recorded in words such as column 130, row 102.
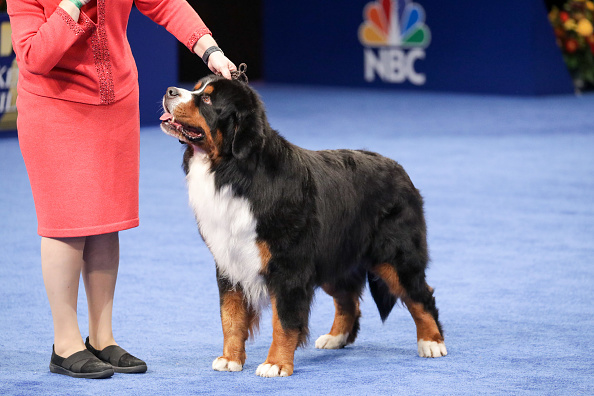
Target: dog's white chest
column 228, row 227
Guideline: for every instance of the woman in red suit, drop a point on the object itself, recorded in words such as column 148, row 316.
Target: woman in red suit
column 78, row 128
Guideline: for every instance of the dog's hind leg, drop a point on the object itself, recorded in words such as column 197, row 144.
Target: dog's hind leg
column 346, row 319
column 418, row 298
column 239, row 322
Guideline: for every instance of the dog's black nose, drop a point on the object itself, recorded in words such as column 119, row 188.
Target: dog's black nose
column 172, row 92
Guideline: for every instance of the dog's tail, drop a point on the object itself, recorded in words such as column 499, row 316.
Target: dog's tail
column 384, row 300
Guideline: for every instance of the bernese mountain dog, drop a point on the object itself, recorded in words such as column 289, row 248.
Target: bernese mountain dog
column 281, row 221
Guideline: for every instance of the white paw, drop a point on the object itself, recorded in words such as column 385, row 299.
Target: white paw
column 222, row 364
column 328, row 341
column 271, row 370
column 431, row 349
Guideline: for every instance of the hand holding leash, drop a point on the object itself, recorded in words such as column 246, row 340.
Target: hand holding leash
column 240, row 73
column 219, row 64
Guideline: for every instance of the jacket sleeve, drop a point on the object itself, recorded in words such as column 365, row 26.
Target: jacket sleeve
column 40, row 43
column 177, row 16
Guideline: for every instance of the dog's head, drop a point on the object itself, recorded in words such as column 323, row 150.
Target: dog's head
column 222, row 118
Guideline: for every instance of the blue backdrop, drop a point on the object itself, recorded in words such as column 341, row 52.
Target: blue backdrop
column 155, row 52
column 482, row 47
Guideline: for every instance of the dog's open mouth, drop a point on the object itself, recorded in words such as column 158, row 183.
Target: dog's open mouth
column 180, row 131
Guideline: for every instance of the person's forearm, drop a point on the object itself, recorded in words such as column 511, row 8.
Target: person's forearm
column 41, row 41
column 203, row 44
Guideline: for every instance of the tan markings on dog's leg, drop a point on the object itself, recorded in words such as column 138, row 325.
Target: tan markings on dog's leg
column 281, row 354
column 390, row 276
column 429, row 340
column 426, row 327
column 235, row 318
column 265, row 256
column 346, row 313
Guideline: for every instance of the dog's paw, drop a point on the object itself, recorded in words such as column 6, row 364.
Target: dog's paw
column 430, row 349
column 328, row 341
column 273, row 370
column 222, row 364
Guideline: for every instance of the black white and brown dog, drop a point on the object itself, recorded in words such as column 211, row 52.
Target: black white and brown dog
column 281, row 221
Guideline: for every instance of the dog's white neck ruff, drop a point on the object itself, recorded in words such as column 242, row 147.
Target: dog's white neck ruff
column 228, row 227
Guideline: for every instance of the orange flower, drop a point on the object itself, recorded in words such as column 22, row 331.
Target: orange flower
column 584, row 27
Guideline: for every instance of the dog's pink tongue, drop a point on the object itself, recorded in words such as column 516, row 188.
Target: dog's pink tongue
column 166, row 117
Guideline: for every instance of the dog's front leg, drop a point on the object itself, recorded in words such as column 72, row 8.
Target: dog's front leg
column 285, row 339
column 238, row 322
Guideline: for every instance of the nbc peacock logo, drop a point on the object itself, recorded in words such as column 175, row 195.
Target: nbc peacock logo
column 395, row 36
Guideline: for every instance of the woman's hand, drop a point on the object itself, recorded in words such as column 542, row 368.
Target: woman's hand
column 220, row 64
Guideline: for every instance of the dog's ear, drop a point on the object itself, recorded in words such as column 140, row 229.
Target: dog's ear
column 249, row 134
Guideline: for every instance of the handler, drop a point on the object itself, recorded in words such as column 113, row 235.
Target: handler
column 78, row 127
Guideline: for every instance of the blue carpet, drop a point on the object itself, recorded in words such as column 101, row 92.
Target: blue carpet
column 509, row 191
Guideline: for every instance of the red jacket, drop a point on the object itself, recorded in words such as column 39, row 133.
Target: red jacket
column 88, row 61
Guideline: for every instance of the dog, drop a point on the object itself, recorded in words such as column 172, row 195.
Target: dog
column 282, row 221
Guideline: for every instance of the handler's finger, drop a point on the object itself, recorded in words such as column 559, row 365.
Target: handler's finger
column 225, row 72
column 220, row 64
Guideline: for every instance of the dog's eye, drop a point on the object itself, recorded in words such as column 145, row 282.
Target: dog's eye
column 206, row 99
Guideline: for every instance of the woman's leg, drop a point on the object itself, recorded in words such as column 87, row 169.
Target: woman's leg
column 61, row 263
column 100, row 271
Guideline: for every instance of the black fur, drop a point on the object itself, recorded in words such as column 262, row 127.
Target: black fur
column 384, row 300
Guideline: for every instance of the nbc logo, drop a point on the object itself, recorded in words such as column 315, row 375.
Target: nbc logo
column 395, row 37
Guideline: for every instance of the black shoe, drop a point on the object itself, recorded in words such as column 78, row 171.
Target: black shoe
column 120, row 360
column 82, row 364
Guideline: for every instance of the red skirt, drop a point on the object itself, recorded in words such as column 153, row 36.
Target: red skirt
column 83, row 163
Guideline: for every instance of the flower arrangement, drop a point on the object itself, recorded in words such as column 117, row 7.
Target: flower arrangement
column 575, row 35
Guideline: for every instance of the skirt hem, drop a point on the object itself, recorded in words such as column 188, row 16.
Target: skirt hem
column 88, row 231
